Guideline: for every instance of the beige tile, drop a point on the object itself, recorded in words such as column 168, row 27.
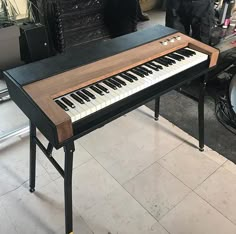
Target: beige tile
column 103, row 139
column 195, row 143
column 80, row 156
column 6, row 226
column 157, row 190
column 120, row 213
column 210, row 153
column 14, row 168
column 158, row 229
column 145, row 117
column 41, row 212
column 230, row 166
column 189, row 165
column 219, row 190
column 105, row 205
column 139, row 144
column 126, row 161
column 195, row 216
column 91, row 184
column 11, row 117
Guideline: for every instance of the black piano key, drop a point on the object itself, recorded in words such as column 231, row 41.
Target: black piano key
column 77, row 98
column 96, row 90
column 117, row 84
column 119, row 81
column 142, row 71
column 187, row 52
column 151, row 66
column 180, row 56
column 109, row 84
column 102, row 88
column 157, row 66
column 165, row 60
column 176, row 57
column 131, row 76
column 183, row 53
column 83, row 96
column 135, row 71
column 190, row 51
column 126, row 77
column 68, row 102
column 64, row 107
column 147, row 70
column 171, row 60
column 86, row 92
column 161, row 62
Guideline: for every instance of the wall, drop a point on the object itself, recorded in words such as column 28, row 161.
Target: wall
column 9, row 47
column 9, row 39
column 20, row 6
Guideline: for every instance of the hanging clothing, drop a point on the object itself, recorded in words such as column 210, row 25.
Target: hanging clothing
column 192, row 17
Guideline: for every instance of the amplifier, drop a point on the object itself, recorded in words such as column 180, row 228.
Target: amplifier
column 34, row 43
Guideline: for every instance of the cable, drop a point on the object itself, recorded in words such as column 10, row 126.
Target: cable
column 224, row 111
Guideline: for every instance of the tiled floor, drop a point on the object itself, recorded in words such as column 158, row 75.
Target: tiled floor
column 133, row 176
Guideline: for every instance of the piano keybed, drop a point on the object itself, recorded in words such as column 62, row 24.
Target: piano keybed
column 88, row 100
column 90, row 86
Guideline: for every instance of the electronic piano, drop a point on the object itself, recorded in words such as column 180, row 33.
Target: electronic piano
column 70, row 95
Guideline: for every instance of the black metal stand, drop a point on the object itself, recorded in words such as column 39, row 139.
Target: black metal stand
column 157, row 108
column 201, row 111
column 66, row 173
column 32, row 157
column 69, row 150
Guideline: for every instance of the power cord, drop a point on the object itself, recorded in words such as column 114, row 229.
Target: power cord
column 224, row 110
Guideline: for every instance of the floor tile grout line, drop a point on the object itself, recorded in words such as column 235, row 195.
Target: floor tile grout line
column 226, row 167
column 128, row 192
column 175, row 176
column 146, row 168
column 19, row 186
column 122, row 185
column 214, row 208
column 190, row 191
column 207, row 177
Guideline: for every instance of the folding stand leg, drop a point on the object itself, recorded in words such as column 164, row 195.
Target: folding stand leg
column 32, row 157
column 157, row 108
column 201, row 112
column 69, row 150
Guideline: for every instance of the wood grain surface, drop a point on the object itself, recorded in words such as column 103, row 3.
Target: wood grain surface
column 44, row 91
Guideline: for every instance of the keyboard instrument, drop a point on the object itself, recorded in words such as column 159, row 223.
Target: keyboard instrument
column 69, row 95
column 105, row 76
column 92, row 98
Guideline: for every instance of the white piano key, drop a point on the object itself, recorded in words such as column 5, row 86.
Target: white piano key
column 82, row 110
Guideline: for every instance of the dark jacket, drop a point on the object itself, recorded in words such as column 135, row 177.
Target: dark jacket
column 121, row 16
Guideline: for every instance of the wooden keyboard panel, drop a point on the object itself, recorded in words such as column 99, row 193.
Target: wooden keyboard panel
column 44, row 91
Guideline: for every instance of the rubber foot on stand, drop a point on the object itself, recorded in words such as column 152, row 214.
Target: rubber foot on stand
column 31, row 190
column 201, row 149
column 156, row 118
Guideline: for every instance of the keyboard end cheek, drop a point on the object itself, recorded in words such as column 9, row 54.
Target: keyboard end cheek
column 64, row 130
column 213, row 53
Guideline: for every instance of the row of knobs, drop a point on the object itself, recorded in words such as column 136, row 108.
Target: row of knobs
column 173, row 39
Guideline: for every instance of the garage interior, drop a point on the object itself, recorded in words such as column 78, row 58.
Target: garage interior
column 134, row 174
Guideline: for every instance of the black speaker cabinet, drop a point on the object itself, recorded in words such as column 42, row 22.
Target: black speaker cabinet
column 34, row 44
